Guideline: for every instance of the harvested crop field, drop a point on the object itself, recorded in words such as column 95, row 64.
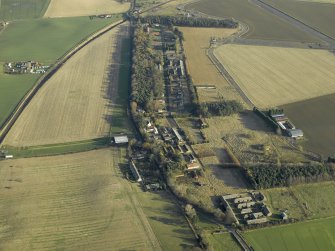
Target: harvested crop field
column 200, row 67
column 73, row 202
column 316, row 118
column 76, row 103
column 262, row 25
column 66, row 8
column 272, row 76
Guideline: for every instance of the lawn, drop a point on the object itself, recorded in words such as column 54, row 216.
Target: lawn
column 316, row 235
column 12, row 89
column 316, row 118
column 262, row 25
column 22, row 9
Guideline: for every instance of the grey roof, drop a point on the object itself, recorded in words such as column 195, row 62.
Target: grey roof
column 295, row 133
column 120, row 139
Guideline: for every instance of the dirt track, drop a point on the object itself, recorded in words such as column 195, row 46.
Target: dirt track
column 75, row 103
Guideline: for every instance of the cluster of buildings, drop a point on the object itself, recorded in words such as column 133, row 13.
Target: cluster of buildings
column 286, row 125
column 176, row 145
column 23, row 67
column 176, row 80
column 248, row 208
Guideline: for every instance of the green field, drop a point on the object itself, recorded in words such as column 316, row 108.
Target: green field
column 167, row 220
column 317, row 15
column 315, row 117
column 310, row 201
column 44, row 40
column 223, row 242
column 22, row 9
column 316, row 235
column 12, row 89
column 262, row 25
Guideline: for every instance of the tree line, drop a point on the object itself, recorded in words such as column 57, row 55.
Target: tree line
column 271, row 175
column 147, row 80
column 220, row 108
column 189, row 21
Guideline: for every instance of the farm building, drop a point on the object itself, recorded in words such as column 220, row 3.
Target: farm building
column 134, row 171
column 120, row 139
column 295, row 133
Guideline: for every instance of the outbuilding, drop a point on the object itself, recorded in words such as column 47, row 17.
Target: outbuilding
column 295, row 133
column 122, row 139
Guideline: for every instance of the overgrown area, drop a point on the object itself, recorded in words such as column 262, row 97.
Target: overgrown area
column 272, row 175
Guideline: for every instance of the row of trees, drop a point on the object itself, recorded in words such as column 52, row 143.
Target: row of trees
column 272, row 175
column 189, row 21
column 220, row 108
column 147, row 80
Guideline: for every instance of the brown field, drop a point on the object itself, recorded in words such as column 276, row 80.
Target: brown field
column 72, row 8
column 71, row 202
column 272, row 76
column 200, row 67
column 75, row 104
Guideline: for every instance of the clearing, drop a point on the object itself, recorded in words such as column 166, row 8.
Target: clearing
column 305, row 236
column 76, row 103
column 78, row 201
column 66, row 8
column 272, row 76
column 200, row 67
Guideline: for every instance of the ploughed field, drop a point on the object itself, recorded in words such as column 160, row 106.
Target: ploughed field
column 75, row 202
column 316, row 118
column 273, row 76
column 318, row 14
column 262, row 25
column 306, row 236
column 75, row 104
column 66, row 8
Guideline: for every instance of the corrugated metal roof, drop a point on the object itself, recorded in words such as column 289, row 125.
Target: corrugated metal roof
column 294, row 133
column 120, row 139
